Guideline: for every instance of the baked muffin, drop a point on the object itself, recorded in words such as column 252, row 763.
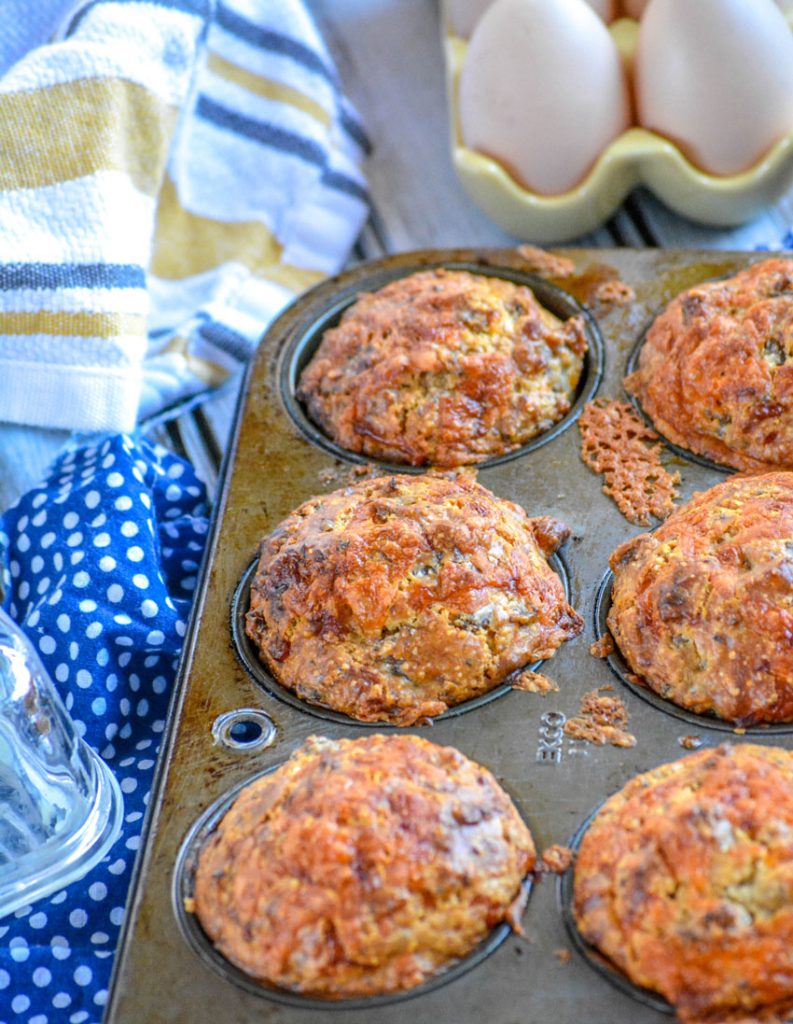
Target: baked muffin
column 702, row 609
column 716, row 370
column 395, row 598
column 444, row 368
column 362, row 867
column 684, row 880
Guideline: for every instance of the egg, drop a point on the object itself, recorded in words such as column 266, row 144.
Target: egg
column 634, row 8
column 716, row 77
column 464, row 14
column 542, row 91
column 607, row 9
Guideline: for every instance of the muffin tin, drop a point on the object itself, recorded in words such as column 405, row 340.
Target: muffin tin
column 637, row 157
column 184, row 876
column 222, row 706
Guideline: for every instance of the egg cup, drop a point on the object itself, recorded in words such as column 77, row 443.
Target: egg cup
column 637, row 157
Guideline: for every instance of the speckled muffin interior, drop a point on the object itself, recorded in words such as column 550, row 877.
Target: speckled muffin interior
column 716, row 370
column 443, row 368
column 684, row 879
column 702, row 609
column 398, row 597
column 362, row 867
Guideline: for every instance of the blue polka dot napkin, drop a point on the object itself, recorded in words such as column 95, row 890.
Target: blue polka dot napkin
column 101, row 568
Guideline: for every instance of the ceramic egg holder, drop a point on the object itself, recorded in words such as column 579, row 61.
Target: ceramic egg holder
column 637, row 157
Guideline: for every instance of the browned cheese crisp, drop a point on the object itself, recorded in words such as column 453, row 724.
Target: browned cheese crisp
column 624, row 450
column 602, row 718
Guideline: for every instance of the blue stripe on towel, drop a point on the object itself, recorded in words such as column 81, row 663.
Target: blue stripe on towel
column 267, row 39
column 200, row 8
column 356, row 131
column 236, row 345
column 280, row 139
column 17, row 276
column 339, row 181
column 261, row 131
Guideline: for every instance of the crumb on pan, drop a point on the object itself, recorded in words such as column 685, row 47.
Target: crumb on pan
column 625, row 451
column 343, row 474
column 546, row 264
column 611, row 294
column 443, row 368
column 564, row 956
column 555, row 860
column 534, row 682
column 603, row 647
column 690, row 742
column 601, row 719
column 361, row 867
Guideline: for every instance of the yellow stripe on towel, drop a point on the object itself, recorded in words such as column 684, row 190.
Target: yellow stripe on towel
column 73, row 325
column 69, row 131
column 267, row 88
column 186, row 245
column 207, row 372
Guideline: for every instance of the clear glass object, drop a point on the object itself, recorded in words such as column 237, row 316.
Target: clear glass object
column 60, row 805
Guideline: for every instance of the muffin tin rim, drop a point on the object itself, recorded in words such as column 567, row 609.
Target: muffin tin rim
column 246, row 655
column 307, row 335
column 591, row 955
column 191, row 930
column 631, row 365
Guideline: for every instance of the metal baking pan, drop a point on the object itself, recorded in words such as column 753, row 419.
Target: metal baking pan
column 226, row 725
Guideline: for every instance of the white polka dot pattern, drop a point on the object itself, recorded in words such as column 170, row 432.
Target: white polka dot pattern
column 100, row 571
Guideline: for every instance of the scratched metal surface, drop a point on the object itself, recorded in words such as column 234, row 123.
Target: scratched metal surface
column 519, row 737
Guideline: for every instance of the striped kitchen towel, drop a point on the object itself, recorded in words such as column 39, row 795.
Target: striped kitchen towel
column 172, row 172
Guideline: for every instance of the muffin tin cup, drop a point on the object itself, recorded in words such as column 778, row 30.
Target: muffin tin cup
column 273, row 467
column 593, row 957
column 322, row 315
column 682, row 453
column 628, row 677
column 195, row 936
column 248, row 655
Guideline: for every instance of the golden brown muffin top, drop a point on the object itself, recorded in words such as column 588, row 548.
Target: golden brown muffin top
column 397, row 597
column 716, row 370
column 702, row 609
column 444, row 368
column 684, row 879
column 362, row 866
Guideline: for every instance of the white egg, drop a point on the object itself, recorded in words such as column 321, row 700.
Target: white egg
column 716, row 77
column 542, row 91
column 464, row 14
column 607, row 9
column 634, row 8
